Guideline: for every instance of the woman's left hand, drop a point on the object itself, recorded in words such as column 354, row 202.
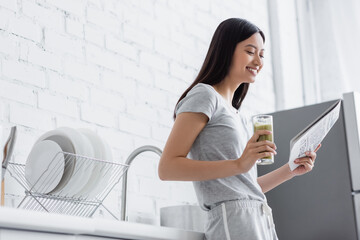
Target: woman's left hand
column 306, row 163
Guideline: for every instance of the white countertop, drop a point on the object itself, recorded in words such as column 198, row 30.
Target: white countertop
column 56, row 223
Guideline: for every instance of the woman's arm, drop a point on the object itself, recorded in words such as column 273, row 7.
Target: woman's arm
column 282, row 174
column 275, row 178
column 173, row 163
column 175, row 166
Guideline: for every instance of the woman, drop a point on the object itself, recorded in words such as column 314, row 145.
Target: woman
column 222, row 154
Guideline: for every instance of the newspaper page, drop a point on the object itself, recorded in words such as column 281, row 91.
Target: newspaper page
column 309, row 138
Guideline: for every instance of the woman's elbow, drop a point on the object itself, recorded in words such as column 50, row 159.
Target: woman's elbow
column 162, row 171
column 162, row 174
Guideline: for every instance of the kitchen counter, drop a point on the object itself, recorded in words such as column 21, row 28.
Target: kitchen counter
column 18, row 221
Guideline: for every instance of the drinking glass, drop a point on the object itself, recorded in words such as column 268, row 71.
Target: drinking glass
column 264, row 122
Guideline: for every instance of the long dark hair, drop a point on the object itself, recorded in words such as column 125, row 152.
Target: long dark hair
column 218, row 58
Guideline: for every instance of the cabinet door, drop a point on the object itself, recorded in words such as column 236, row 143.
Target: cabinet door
column 352, row 123
column 357, row 212
column 8, row 234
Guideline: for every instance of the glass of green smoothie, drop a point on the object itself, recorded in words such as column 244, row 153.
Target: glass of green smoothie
column 264, row 122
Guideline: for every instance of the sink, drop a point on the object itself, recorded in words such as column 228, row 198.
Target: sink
column 186, row 217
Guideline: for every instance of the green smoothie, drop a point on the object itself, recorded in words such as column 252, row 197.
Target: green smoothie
column 259, row 126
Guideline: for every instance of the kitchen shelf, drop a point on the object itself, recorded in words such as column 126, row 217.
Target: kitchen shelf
column 64, row 198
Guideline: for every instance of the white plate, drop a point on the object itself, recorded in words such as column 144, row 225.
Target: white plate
column 44, row 166
column 101, row 152
column 83, row 167
column 66, row 145
column 106, row 170
column 76, row 173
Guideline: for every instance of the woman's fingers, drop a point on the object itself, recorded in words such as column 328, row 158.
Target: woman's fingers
column 308, row 166
column 255, row 150
column 306, row 163
column 261, row 143
column 264, row 154
column 304, row 160
column 312, row 155
column 265, row 148
column 258, row 133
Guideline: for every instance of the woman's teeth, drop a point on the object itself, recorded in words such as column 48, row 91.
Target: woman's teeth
column 253, row 71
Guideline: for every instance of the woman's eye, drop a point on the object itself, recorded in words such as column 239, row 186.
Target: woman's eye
column 251, row 53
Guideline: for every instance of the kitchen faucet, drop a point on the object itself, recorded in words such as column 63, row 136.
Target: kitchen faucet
column 132, row 156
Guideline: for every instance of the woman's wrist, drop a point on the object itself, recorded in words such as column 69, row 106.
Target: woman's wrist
column 288, row 173
column 237, row 166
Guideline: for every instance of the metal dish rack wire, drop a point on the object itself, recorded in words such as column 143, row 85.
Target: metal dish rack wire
column 57, row 189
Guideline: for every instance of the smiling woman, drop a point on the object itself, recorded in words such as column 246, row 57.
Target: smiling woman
column 211, row 143
column 209, row 128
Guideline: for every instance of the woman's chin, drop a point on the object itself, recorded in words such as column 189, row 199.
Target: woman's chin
column 248, row 80
column 251, row 80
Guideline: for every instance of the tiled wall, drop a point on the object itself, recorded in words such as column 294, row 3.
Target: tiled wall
column 117, row 67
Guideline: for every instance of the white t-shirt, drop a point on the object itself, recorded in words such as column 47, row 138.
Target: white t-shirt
column 223, row 138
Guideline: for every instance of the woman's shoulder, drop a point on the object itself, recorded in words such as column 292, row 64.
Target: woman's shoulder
column 200, row 95
column 202, row 92
column 204, row 89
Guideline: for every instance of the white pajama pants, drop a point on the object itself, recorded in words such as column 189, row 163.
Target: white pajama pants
column 241, row 220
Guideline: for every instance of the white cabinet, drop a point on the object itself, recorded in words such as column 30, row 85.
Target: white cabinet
column 11, row 234
column 30, row 225
column 8, row 234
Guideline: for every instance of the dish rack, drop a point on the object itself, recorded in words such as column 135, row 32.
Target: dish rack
column 58, row 200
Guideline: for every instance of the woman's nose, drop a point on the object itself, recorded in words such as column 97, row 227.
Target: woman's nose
column 257, row 61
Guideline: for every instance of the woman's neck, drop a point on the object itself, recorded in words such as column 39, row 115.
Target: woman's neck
column 226, row 90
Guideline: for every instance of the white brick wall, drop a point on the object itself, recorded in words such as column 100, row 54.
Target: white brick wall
column 24, row 72
column 43, row 15
column 41, row 57
column 117, row 67
column 8, row 46
column 17, row 93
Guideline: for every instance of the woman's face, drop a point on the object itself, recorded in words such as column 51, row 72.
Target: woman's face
column 247, row 59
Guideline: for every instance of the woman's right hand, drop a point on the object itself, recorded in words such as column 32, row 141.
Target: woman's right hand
column 255, row 150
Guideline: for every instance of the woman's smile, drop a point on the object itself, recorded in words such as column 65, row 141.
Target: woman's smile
column 253, row 71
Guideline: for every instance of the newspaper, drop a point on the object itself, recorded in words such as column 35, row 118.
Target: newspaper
column 311, row 136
